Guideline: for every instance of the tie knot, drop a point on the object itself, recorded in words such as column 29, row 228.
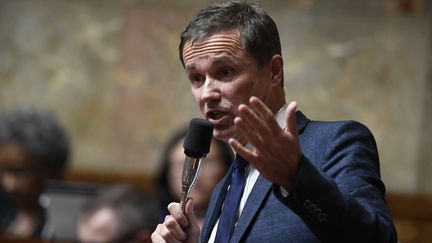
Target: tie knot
column 239, row 162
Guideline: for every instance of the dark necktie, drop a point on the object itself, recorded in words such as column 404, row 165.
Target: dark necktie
column 228, row 216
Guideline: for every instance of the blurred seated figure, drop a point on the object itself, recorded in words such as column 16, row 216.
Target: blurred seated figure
column 33, row 148
column 63, row 201
column 119, row 213
column 212, row 170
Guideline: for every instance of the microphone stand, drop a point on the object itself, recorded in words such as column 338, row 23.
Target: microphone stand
column 190, row 173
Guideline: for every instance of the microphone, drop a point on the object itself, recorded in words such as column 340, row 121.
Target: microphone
column 196, row 147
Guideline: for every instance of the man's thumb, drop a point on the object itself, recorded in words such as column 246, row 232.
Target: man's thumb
column 193, row 228
column 189, row 211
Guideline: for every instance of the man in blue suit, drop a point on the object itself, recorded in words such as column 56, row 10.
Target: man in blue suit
column 294, row 180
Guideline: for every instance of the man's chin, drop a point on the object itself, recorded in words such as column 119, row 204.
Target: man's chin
column 222, row 135
column 226, row 134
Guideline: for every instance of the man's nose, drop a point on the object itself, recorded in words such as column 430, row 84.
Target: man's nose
column 211, row 91
column 8, row 182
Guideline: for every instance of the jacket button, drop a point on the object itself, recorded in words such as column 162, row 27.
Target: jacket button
column 318, row 212
column 322, row 217
column 307, row 204
column 284, row 192
column 312, row 208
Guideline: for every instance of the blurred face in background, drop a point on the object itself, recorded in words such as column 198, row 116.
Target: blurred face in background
column 104, row 226
column 20, row 177
column 97, row 228
column 212, row 170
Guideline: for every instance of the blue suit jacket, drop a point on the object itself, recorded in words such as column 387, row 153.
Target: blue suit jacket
column 338, row 195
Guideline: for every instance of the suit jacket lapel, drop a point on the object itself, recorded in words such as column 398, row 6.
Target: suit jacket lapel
column 256, row 197
column 215, row 210
column 301, row 121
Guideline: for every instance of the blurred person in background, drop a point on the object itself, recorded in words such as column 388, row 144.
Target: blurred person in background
column 120, row 213
column 212, row 170
column 34, row 147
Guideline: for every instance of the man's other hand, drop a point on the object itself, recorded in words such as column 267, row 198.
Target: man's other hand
column 178, row 226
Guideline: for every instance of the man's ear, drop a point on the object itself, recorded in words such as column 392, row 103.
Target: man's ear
column 276, row 65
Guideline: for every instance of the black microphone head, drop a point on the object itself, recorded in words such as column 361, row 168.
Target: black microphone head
column 198, row 138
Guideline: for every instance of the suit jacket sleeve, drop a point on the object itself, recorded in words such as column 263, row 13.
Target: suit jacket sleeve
column 338, row 192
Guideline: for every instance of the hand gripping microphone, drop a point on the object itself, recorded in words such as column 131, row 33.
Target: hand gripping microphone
column 196, row 146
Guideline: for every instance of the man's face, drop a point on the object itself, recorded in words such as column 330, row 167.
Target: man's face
column 20, row 177
column 223, row 76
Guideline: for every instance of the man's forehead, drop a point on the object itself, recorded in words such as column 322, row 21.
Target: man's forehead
column 224, row 42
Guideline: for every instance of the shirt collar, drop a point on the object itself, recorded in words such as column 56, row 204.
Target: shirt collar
column 280, row 116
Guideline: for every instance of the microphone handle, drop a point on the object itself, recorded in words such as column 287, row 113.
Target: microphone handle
column 190, row 173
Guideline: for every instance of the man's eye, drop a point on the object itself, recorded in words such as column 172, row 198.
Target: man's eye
column 196, row 79
column 226, row 72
